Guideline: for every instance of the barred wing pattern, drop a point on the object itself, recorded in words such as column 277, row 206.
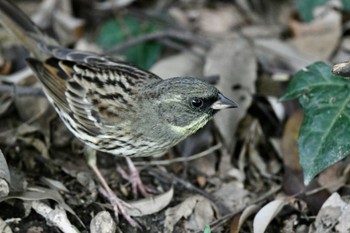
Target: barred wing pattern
column 91, row 94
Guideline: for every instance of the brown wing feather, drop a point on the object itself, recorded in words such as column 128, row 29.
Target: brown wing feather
column 95, row 92
column 54, row 84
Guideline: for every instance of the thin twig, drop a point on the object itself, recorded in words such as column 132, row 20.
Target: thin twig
column 173, row 34
column 21, row 91
column 182, row 159
column 178, row 46
column 222, row 220
column 177, row 181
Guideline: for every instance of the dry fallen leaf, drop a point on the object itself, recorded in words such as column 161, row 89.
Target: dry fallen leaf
column 54, row 184
column 267, row 214
column 233, row 195
column 319, row 38
column 56, row 217
column 240, row 219
column 198, row 206
column 203, row 214
column 39, row 193
column 334, row 216
column 234, row 60
column 150, row 205
column 289, row 145
column 274, row 53
column 103, row 223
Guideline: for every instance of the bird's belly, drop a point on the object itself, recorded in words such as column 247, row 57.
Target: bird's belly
column 117, row 144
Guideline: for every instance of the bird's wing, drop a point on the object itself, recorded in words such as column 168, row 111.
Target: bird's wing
column 98, row 92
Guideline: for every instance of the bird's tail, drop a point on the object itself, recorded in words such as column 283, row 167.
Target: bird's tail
column 16, row 21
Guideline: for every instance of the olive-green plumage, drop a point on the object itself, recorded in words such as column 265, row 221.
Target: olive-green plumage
column 112, row 106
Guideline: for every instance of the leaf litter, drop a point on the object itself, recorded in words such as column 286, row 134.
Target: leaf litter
column 242, row 185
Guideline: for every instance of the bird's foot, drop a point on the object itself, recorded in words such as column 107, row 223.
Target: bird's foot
column 119, row 206
column 135, row 180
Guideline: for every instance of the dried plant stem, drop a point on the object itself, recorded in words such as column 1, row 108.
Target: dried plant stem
column 173, row 34
column 182, row 159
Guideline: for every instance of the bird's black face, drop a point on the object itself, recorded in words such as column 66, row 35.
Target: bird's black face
column 202, row 104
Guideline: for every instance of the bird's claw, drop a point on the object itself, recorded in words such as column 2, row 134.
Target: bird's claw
column 119, row 206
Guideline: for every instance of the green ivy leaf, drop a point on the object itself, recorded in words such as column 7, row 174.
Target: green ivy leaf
column 346, row 5
column 143, row 55
column 325, row 131
column 306, row 8
column 207, row 229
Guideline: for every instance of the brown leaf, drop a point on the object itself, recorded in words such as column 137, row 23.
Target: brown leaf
column 150, row 205
column 234, row 60
column 267, row 214
column 319, row 38
column 196, row 206
column 334, row 215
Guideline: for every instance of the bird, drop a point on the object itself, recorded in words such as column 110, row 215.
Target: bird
column 112, row 106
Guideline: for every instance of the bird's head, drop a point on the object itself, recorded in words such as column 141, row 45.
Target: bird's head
column 185, row 104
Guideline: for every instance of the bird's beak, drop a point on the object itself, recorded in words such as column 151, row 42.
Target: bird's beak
column 223, row 103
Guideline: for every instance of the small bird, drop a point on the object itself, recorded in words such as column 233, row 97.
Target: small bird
column 112, row 106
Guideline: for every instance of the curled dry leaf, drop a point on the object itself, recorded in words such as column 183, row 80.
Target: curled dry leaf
column 239, row 219
column 103, row 223
column 39, row 193
column 250, row 210
column 334, row 215
column 56, row 217
column 267, row 214
column 196, row 205
column 54, row 184
column 203, row 213
column 233, row 59
column 150, row 205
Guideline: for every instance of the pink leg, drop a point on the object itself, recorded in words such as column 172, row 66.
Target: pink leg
column 117, row 204
column 134, row 178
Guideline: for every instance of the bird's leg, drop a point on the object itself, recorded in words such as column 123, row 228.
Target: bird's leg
column 134, row 178
column 117, row 204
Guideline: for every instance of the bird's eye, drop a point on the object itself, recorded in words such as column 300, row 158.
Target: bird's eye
column 196, row 102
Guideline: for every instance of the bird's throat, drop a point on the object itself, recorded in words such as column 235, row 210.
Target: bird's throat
column 191, row 128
